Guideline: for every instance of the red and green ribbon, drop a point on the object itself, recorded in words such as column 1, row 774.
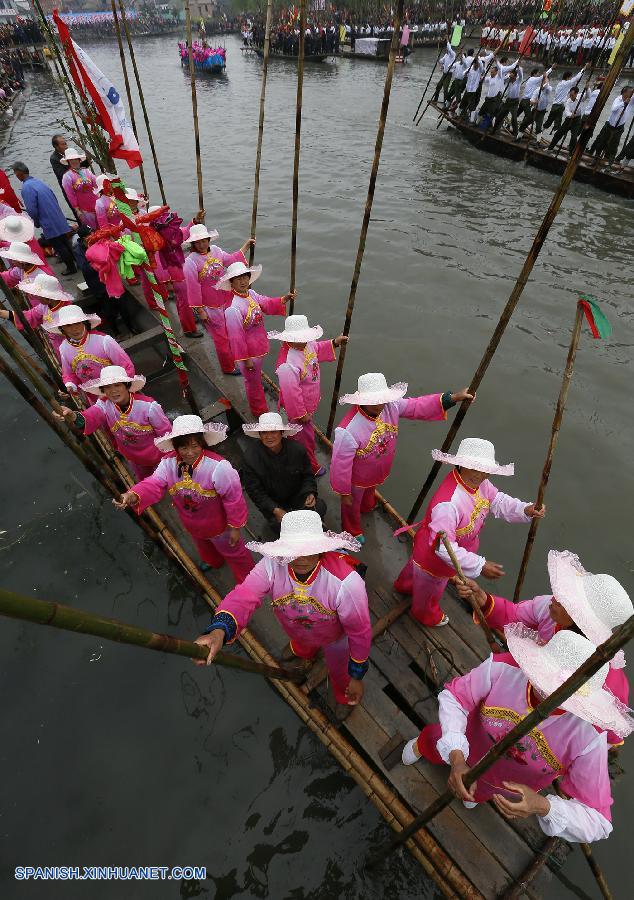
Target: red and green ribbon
column 599, row 325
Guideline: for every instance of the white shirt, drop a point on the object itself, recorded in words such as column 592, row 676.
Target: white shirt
column 493, row 85
column 563, row 88
column 513, row 88
column 620, row 113
column 448, row 59
column 460, row 68
column 573, row 107
column 589, row 101
column 541, row 96
column 476, row 72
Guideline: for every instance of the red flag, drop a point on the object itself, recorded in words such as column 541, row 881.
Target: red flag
column 527, row 40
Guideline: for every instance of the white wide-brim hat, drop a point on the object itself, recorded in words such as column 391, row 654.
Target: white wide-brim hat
column 297, row 330
column 235, row 269
column 475, row 453
column 70, row 315
column 372, row 389
column 200, row 233
column 17, row 229
column 114, row 375
column 271, row 421
column 302, row 534
column 212, row 432
column 105, row 176
column 596, row 603
column 547, row 666
column 71, row 153
column 133, row 194
column 18, row 251
column 46, row 286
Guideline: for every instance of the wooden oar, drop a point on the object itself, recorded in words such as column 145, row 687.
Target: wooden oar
column 603, row 654
column 533, row 253
column 495, row 643
column 298, row 139
column 57, row 615
column 258, row 154
column 192, row 78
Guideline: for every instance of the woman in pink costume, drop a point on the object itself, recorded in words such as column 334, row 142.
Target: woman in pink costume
column 317, row 597
column 23, row 264
column 20, row 228
column 204, row 488
column 459, row 508
column 46, row 293
column 299, row 376
column 365, row 440
column 592, row 604
column 245, row 328
column 80, row 186
column 204, row 268
column 478, row 709
column 134, row 420
column 83, row 352
column 106, row 209
column 169, row 262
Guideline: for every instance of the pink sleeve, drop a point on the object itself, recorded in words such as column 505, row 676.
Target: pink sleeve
column 235, row 332
column 428, row 407
column 500, row 612
column 185, row 229
column 67, row 184
column 34, row 316
column 152, row 489
column 68, row 376
column 353, row 613
column 471, row 689
column 270, row 306
column 227, row 482
column 444, row 518
column 118, row 355
column 100, row 213
column 230, row 258
column 158, row 420
column 245, row 598
column 509, row 508
column 616, row 683
column 587, row 778
column 192, row 284
column 95, row 417
column 10, row 278
column 343, row 453
column 291, row 392
column 326, row 351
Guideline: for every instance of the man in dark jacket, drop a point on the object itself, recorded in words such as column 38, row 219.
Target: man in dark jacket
column 277, row 474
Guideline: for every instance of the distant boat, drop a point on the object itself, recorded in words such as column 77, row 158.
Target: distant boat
column 212, row 61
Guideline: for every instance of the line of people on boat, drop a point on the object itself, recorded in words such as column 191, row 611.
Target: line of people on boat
column 312, row 576
column 574, row 46
column 489, row 92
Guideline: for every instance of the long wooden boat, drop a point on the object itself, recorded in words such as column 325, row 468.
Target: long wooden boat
column 309, row 57
column 215, row 69
column 534, row 154
column 468, row 853
column 381, row 58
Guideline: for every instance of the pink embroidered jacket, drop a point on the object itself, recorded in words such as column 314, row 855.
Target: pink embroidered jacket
column 245, row 324
column 84, row 361
column 81, row 189
column 478, row 709
column 332, row 603
column 13, row 276
column 107, row 212
column 133, row 429
column 299, row 377
column 535, row 614
column 364, row 446
column 36, row 315
column 202, row 274
column 208, row 500
column 461, row 512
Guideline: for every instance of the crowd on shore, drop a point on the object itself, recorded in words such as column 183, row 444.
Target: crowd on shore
column 22, row 31
column 560, row 46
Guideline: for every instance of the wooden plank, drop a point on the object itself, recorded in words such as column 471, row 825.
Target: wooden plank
column 151, row 336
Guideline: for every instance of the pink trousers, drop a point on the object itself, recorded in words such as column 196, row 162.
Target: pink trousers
column 253, row 386
column 306, row 437
column 215, row 551
column 185, row 312
column 426, row 591
column 215, row 325
column 363, row 500
column 336, row 656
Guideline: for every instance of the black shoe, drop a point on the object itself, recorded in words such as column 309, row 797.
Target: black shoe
column 70, row 271
column 193, row 334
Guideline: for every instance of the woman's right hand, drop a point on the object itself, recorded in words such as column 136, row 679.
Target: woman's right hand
column 459, row 769
column 249, row 364
column 68, row 415
column 492, row 569
column 126, row 500
column 471, row 587
column 214, row 640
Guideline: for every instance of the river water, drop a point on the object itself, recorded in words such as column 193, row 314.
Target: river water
column 114, row 757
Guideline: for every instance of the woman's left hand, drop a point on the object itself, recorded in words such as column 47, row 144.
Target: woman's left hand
column 530, row 803
column 288, row 297
column 246, row 245
column 234, row 536
column 342, row 339
column 534, row 512
column 464, row 394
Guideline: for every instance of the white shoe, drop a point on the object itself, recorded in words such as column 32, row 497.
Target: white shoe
column 444, row 621
column 410, row 756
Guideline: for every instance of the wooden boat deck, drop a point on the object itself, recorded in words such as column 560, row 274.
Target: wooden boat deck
column 308, row 57
column 534, row 154
column 476, row 853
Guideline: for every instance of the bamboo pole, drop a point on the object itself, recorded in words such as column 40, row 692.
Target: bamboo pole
column 126, row 80
column 533, row 253
column 368, row 211
column 494, row 643
column 34, row 339
column 192, row 78
column 258, row 155
column 552, row 446
column 518, row 888
column 298, row 139
column 603, row 653
column 79, row 621
column 146, row 118
column 586, row 849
